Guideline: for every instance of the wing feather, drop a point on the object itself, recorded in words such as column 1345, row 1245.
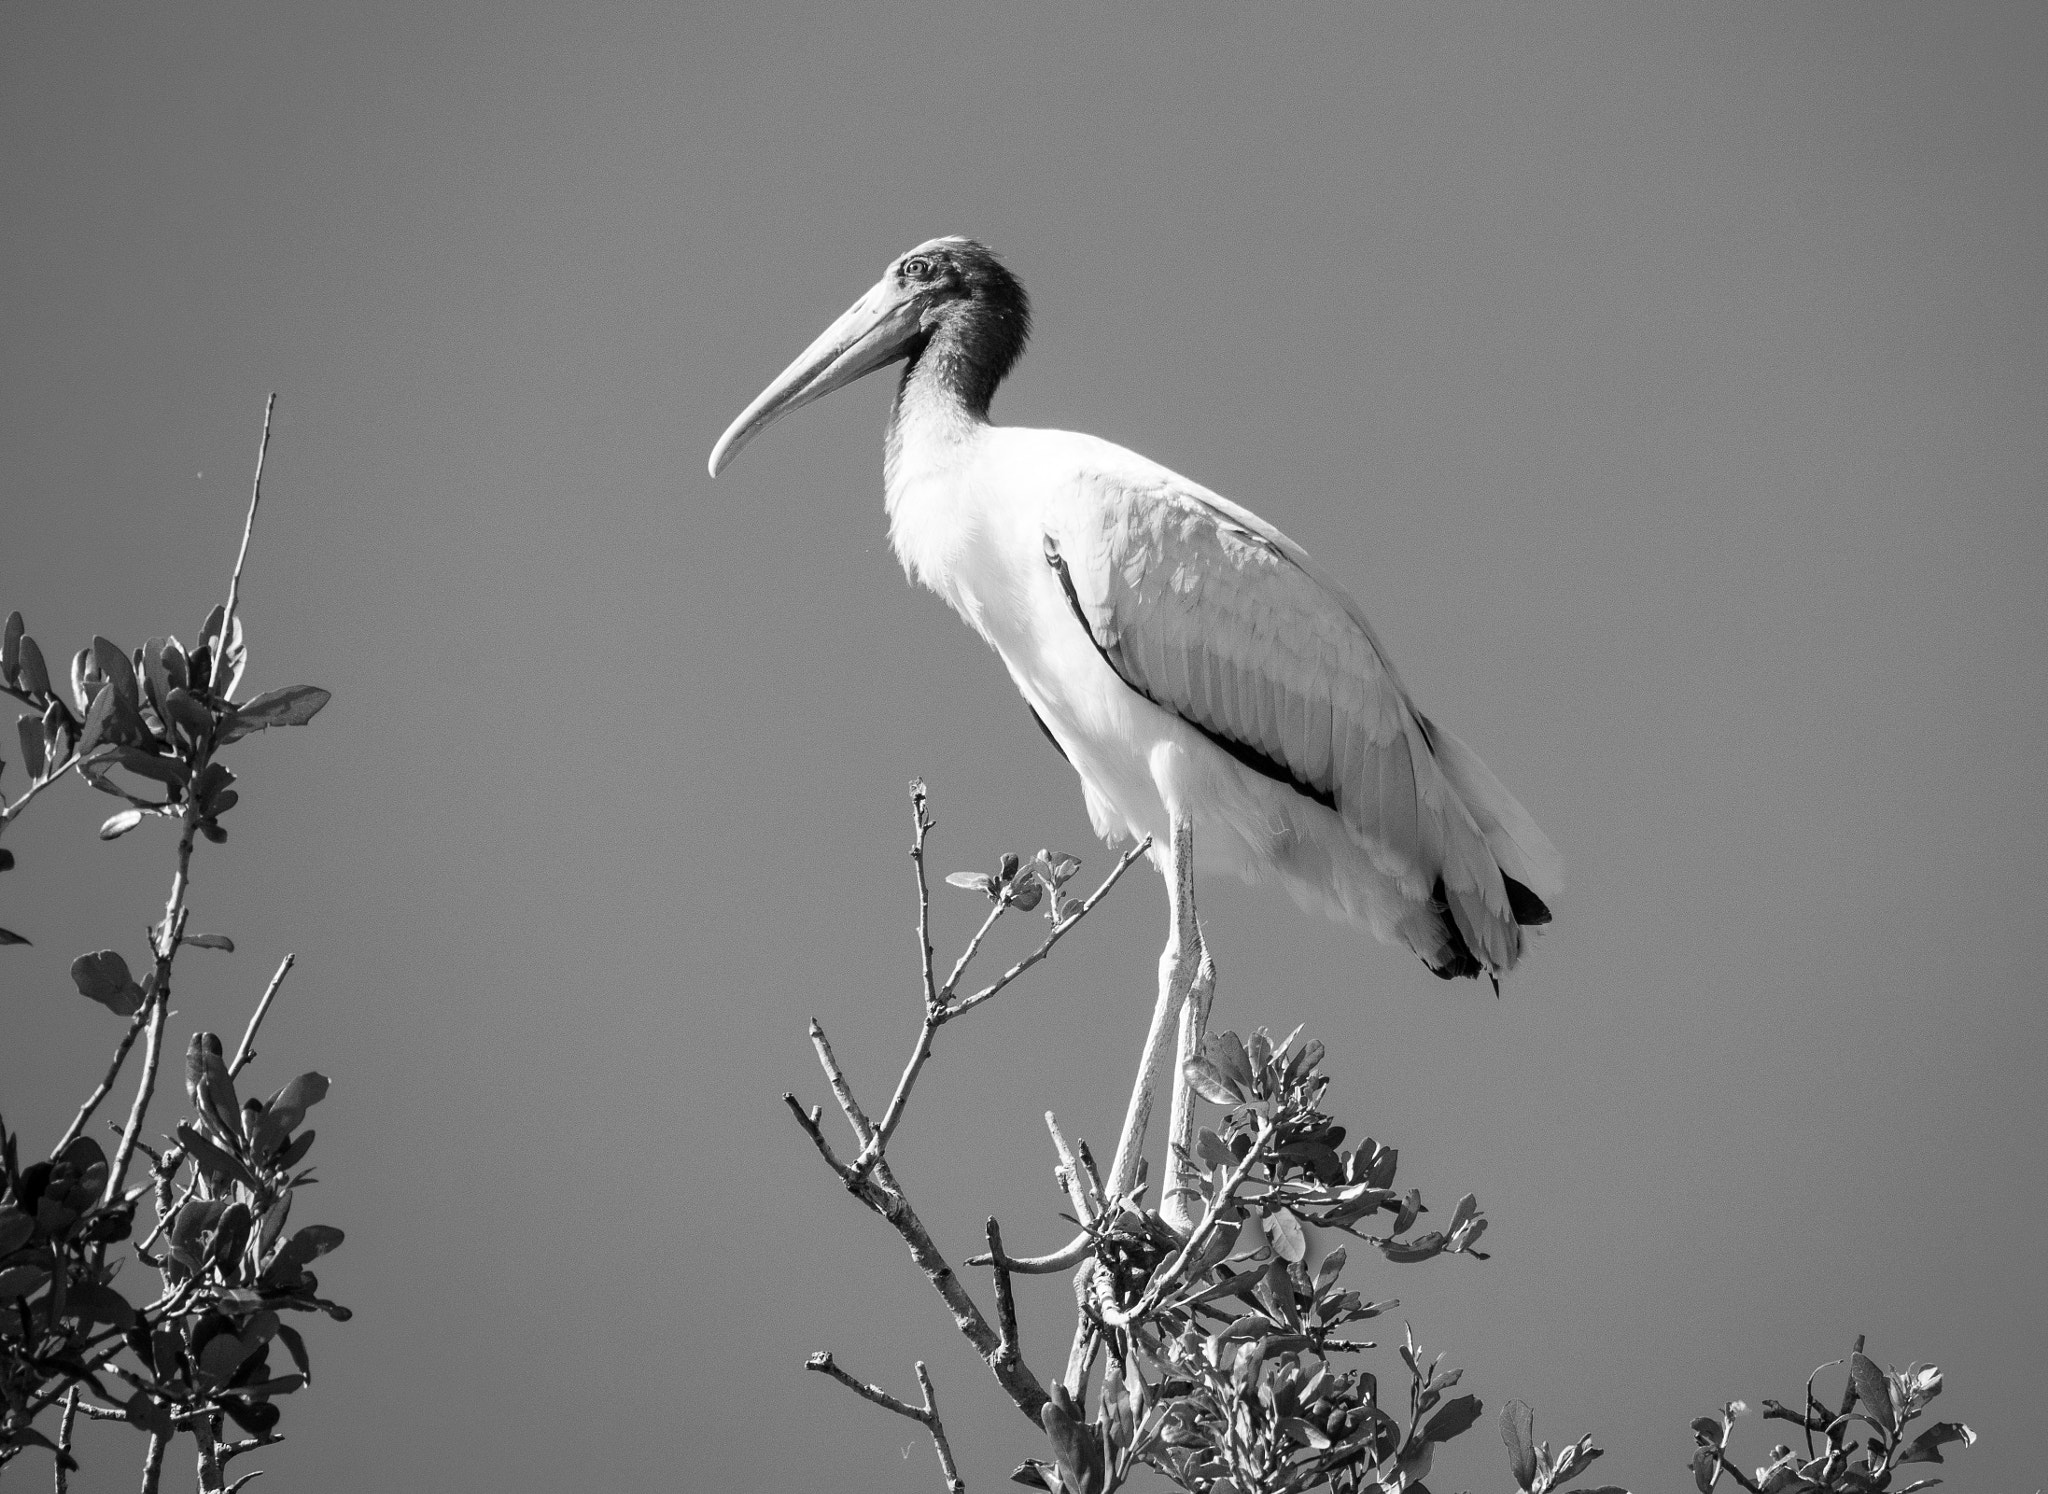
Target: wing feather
column 1220, row 618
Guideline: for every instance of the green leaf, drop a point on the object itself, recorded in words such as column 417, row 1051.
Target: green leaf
column 1211, row 1151
column 10, row 647
column 1284, row 1230
column 294, row 705
column 31, row 674
column 211, row 941
column 8, row 936
column 220, row 1166
column 1209, row 1082
column 165, row 770
column 120, row 824
column 192, row 718
column 148, row 1413
column 1926, row 1448
column 1706, row 1469
column 290, row 1104
column 115, row 665
column 1517, row 1430
column 980, row 882
column 99, row 720
column 103, row 977
column 296, row 1347
column 30, row 730
column 1454, row 1418
column 1872, row 1390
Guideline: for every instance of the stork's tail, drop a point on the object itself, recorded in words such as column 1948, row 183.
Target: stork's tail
column 1460, row 931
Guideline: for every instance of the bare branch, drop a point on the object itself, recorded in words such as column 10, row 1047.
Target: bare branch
column 926, row 1416
column 973, row 948
column 106, row 1085
column 1006, row 1300
column 64, row 1439
column 938, row 1430
column 1072, row 1253
column 153, row 1462
column 227, row 624
column 245, row 1050
column 167, row 939
column 824, row 1364
column 919, row 800
column 1087, row 1201
column 863, row 1128
column 969, row 1003
column 10, row 811
column 159, row 1004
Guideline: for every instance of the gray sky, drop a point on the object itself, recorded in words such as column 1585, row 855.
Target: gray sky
column 1667, row 382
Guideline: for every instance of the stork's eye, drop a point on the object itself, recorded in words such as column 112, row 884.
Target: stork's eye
column 918, row 268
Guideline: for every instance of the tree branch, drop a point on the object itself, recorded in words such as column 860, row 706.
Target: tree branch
column 863, row 1128
column 106, row 1085
column 969, row 1003
column 926, row 1417
column 227, row 622
column 1006, row 1300
column 919, row 800
column 244, row 1051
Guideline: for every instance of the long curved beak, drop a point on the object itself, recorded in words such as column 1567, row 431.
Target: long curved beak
column 875, row 331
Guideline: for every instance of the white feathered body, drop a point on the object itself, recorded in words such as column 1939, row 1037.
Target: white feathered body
column 1147, row 621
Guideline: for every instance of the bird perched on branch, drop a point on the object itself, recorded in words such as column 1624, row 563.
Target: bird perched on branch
column 1212, row 687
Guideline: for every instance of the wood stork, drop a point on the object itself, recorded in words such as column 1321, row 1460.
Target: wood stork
column 1210, row 685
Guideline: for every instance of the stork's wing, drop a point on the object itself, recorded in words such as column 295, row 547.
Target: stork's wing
column 1218, row 617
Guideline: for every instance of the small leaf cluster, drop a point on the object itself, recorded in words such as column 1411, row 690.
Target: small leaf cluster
column 1024, row 884
column 1308, row 1176
column 56, row 1299
column 1535, row 1470
column 158, row 714
column 202, row 1347
column 1877, row 1405
column 1224, row 1371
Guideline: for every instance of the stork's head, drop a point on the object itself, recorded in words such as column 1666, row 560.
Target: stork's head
column 952, row 293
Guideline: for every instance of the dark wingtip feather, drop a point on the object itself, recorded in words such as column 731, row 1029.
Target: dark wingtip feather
column 1456, row 955
column 1528, row 908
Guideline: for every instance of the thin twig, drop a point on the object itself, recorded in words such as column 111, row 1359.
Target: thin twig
column 824, row 1364
column 9, row 811
column 245, row 1050
column 969, row 1003
column 159, row 1008
column 808, row 1119
column 1087, row 1202
column 101, row 1413
column 927, row 1416
column 973, row 948
column 938, row 1430
column 919, row 800
column 227, row 622
column 92, row 1102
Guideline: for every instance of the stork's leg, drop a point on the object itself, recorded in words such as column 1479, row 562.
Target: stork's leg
column 1181, row 1205
column 1179, row 963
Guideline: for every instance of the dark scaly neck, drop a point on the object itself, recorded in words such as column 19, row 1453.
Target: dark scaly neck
column 952, row 376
